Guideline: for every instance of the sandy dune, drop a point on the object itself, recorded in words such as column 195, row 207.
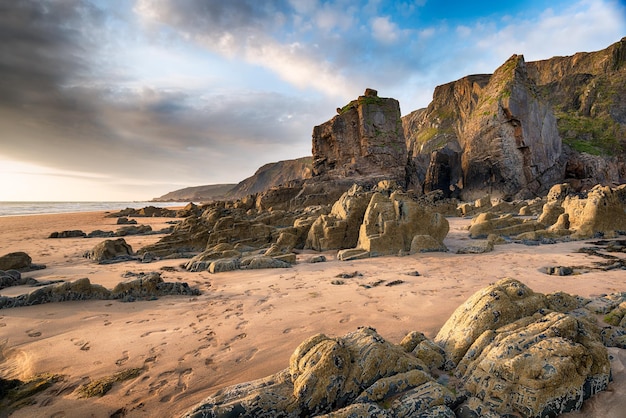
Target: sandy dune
column 246, row 324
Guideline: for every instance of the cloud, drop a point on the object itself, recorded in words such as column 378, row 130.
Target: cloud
column 206, row 91
column 384, row 30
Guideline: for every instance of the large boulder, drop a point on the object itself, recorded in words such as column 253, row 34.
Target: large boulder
column 327, row 374
column 602, row 211
column 488, row 309
column 537, row 366
column 110, row 251
column 18, row 260
column 391, row 223
column 340, row 228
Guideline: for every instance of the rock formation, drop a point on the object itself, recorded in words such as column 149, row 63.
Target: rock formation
column 514, row 352
column 110, row 251
column 340, row 228
column 143, row 287
column 364, row 140
column 528, row 126
column 15, row 261
column 397, row 224
column 601, row 211
column 266, row 177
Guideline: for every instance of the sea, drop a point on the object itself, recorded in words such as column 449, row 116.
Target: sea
column 41, row 208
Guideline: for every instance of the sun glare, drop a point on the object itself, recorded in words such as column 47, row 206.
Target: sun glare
column 20, row 181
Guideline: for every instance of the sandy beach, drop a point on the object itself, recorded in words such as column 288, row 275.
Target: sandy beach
column 245, row 324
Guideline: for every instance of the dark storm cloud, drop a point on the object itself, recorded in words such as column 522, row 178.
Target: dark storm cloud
column 61, row 107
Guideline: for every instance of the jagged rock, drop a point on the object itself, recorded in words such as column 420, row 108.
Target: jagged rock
column 425, row 244
column 602, row 211
column 110, row 250
column 125, row 221
column 18, row 260
column 519, row 353
column 133, row 230
column 340, row 228
column 478, row 247
column 488, row 309
column 317, row 259
column 149, row 286
column 76, row 233
column 14, row 278
column 488, row 223
column 146, row 286
column 365, row 139
column 522, row 129
column 326, row 374
column 506, row 137
column 80, row 289
column 148, row 211
column 203, row 260
column 98, row 233
column 542, row 365
column 189, row 236
column 390, row 224
column 287, row 258
column 352, row 254
column 224, row 264
column 263, row 262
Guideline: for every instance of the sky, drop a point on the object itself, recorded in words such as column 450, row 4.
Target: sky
column 116, row 100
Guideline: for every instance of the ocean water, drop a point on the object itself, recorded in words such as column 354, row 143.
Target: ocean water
column 40, row 208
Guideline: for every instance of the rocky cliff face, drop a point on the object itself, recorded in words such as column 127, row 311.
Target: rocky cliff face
column 517, row 132
column 365, row 139
column 268, row 176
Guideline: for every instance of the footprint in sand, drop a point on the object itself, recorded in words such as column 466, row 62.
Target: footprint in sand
column 32, row 333
column 241, row 324
column 145, row 334
column 239, row 337
column 122, row 360
column 84, row 345
column 248, row 356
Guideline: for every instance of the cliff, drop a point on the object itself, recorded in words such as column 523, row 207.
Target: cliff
column 527, row 126
column 272, row 175
column 268, row 176
column 207, row 193
column 365, row 140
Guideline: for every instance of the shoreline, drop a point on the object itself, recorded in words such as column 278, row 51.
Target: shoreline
column 40, row 208
column 245, row 324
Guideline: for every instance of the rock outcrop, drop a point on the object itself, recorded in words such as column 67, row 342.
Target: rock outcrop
column 512, row 352
column 143, row 287
column 599, row 212
column 528, row 126
column 15, row 261
column 391, row 225
column 340, row 228
column 19, row 261
column 110, row 251
column 365, row 139
column 489, row 135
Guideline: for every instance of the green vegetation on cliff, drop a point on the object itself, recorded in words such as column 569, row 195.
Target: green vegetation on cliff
column 598, row 135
